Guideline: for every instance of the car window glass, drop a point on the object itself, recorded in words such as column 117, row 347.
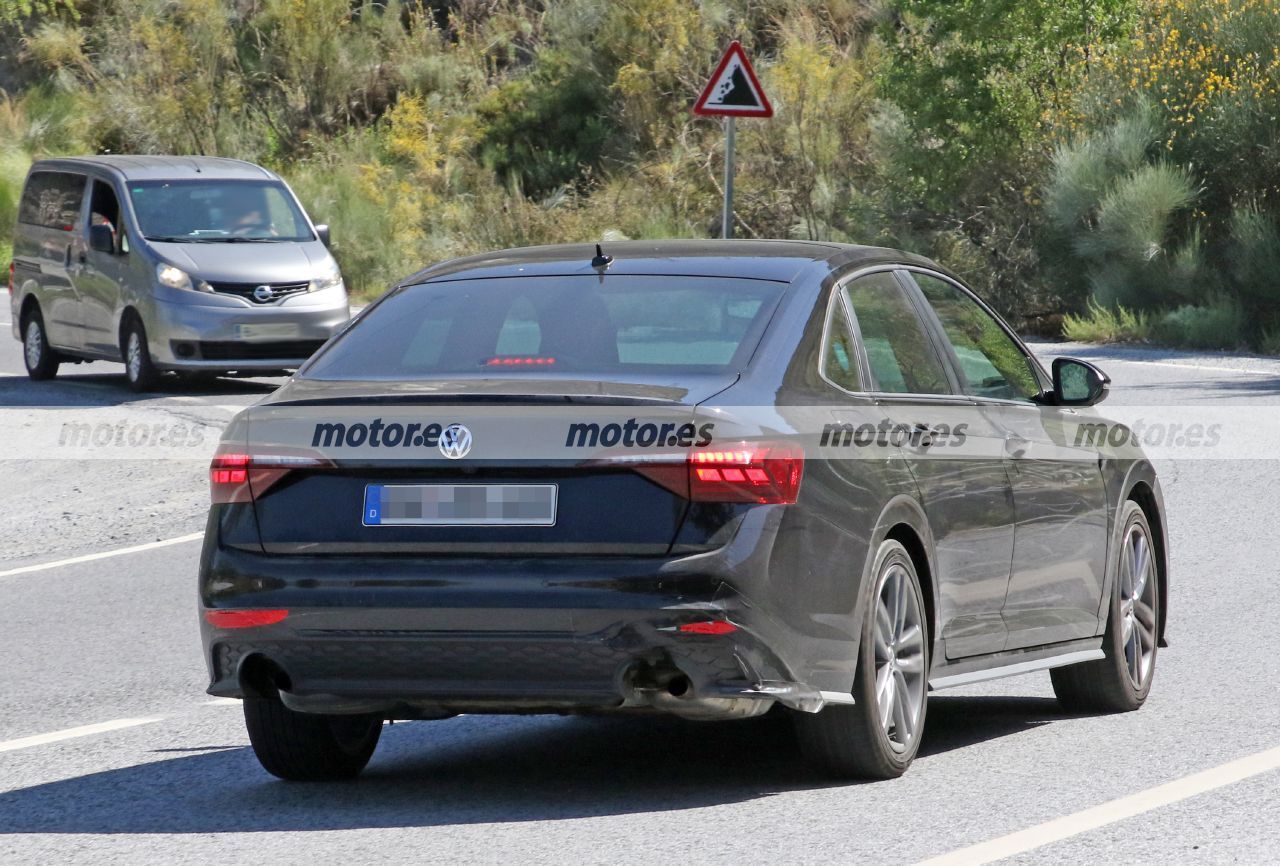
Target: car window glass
column 901, row 357
column 839, row 361
column 579, row 325
column 104, row 208
column 992, row 364
column 520, row 334
column 52, row 199
column 212, row 211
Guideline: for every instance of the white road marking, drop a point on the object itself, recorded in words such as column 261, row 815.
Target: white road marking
column 72, row 733
column 1118, row 359
column 1109, row 813
column 1193, row 366
column 91, row 557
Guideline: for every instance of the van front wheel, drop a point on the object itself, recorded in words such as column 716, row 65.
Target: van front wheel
column 138, row 368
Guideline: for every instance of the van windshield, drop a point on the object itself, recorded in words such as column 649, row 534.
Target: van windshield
column 217, row 211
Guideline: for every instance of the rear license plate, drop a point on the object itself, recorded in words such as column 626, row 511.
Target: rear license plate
column 283, row 331
column 459, row 505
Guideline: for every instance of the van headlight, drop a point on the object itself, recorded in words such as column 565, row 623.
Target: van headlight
column 177, row 278
column 331, row 278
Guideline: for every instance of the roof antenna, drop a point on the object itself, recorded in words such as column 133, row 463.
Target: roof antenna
column 601, row 260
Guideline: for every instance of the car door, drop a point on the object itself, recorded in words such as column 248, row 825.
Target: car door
column 45, row 242
column 1060, row 538
column 98, row 274
column 967, row 499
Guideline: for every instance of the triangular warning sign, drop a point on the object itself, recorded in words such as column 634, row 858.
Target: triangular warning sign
column 734, row 89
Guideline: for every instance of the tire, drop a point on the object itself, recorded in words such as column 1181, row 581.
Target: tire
column 39, row 357
column 1121, row 681
column 138, row 367
column 878, row 736
column 306, row 747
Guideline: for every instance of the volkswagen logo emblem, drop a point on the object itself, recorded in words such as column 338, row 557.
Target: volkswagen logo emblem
column 263, row 293
column 455, row 442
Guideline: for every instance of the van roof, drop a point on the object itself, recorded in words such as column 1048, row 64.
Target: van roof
column 162, row 167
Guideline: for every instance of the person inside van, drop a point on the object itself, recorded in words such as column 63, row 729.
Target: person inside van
column 104, row 210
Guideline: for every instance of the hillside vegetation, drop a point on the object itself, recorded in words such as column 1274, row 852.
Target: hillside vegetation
column 1113, row 160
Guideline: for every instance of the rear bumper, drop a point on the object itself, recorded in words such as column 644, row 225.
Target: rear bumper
column 421, row 636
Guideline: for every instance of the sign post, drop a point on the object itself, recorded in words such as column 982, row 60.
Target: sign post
column 726, row 220
column 732, row 92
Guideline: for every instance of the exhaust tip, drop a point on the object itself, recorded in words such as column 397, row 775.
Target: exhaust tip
column 262, row 677
column 679, row 686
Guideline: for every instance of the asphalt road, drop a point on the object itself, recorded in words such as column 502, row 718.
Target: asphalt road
column 168, row 777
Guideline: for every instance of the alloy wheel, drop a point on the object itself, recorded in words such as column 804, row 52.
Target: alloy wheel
column 33, row 344
column 133, row 356
column 899, row 657
column 1137, row 605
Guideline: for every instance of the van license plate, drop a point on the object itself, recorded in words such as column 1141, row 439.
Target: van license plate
column 285, row 331
column 459, row 505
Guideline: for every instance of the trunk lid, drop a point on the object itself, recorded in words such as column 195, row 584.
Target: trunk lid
column 521, row 435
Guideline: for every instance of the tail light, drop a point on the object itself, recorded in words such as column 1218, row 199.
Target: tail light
column 237, row 477
column 759, row 472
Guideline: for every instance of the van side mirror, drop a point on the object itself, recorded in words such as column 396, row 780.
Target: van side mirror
column 1078, row 383
column 322, row 232
column 102, row 239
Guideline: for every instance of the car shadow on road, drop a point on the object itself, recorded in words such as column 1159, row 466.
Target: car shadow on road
column 110, row 389
column 478, row 770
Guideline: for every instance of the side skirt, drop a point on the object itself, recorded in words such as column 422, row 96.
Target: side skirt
column 1008, row 664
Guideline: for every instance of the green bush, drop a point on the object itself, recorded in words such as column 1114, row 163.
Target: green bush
column 543, row 129
column 1101, row 324
column 1220, row 325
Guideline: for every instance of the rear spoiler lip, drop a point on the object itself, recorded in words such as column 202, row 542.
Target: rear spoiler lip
column 481, row 399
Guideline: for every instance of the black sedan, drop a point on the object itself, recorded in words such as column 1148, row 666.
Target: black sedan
column 706, row 478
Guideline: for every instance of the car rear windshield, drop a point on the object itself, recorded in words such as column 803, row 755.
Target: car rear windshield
column 575, row 324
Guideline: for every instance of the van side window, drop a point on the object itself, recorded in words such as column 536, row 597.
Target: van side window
column 104, row 209
column 52, row 199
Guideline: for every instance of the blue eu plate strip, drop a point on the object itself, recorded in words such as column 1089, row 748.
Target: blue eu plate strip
column 373, row 505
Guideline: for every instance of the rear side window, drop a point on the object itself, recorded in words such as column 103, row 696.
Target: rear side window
column 575, row 324
column 839, row 360
column 901, row 358
column 52, row 199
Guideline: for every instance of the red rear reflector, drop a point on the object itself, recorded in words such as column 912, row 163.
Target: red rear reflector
column 243, row 618
column 716, row 626
column 519, row 361
column 12, row 267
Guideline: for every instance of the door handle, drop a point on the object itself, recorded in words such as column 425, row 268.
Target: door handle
column 1016, row 445
column 923, row 436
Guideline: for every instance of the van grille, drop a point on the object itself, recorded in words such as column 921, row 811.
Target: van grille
column 246, row 290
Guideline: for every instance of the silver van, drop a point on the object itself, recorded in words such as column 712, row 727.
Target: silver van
column 198, row 265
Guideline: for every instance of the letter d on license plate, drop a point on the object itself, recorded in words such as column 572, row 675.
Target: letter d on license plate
column 459, row 505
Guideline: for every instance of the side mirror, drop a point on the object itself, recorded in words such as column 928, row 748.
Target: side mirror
column 102, row 239
column 1078, row 383
column 322, row 232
